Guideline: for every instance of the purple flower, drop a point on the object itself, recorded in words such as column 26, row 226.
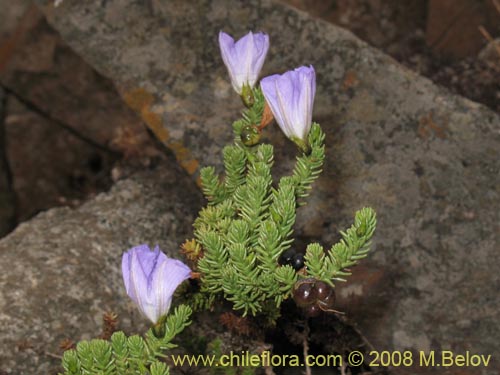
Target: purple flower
column 291, row 98
column 151, row 278
column 244, row 59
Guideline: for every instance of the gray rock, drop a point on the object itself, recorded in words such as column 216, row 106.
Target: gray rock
column 427, row 161
column 62, row 270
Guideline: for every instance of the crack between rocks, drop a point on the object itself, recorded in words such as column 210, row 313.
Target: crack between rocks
column 4, row 162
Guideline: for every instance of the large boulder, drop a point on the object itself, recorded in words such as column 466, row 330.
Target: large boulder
column 60, row 272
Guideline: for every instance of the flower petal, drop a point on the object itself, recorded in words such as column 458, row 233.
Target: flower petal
column 244, row 59
column 151, row 278
column 268, row 87
column 226, row 44
column 291, row 97
column 137, row 284
column 167, row 277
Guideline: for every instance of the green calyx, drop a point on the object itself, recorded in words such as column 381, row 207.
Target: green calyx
column 302, row 144
column 247, row 96
column 158, row 328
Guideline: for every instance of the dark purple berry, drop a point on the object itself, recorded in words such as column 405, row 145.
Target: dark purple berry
column 327, row 303
column 304, row 293
column 286, row 257
column 298, row 261
column 312, row 311
column 323, row 289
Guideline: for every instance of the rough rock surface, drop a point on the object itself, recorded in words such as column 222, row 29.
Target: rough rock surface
column 61, row 271
column 427, row 161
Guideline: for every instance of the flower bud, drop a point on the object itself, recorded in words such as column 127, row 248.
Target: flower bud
column 151, row 278
column 290, row 97
column 244, row 59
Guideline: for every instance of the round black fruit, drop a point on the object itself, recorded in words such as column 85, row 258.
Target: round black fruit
column 286, row 257
column 298, row 261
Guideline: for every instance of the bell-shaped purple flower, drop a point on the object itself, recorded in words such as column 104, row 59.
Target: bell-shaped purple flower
column 291, row 98
column 244, row 58
column 151, row 278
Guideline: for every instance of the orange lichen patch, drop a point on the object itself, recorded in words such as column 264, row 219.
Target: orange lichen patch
column 427, row 126
column 153, row 120
column 191, row 166
column 178, row 148
column 184, row 157
column 350, row 80
column 142, row 101
column 138, row 98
